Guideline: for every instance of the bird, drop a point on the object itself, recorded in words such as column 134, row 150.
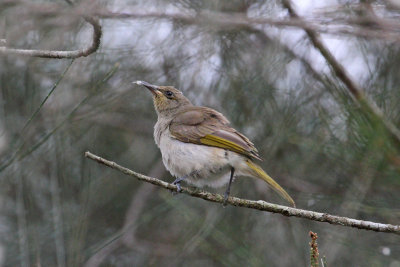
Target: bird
column 199, row 146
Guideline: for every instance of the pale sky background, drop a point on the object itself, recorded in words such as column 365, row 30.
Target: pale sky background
column 342, row 47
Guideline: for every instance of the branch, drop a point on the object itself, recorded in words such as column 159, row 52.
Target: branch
column 385, row 29
column 355, row 90
column 258, row 205
column 97, row 32
column 237, row 20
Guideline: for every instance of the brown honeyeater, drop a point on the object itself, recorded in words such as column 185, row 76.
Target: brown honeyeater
column 199, row 146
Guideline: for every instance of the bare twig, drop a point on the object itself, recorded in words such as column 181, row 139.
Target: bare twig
column 342, row 74
column 258, row 205
column 97, row 32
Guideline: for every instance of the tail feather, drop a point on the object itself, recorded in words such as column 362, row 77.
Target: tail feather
column 258, row 172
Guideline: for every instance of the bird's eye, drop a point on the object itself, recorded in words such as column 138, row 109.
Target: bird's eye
column 169, row 94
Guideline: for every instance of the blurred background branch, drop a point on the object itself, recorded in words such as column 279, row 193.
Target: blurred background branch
column 370, row 108
column 373, row 27
column 62, row 54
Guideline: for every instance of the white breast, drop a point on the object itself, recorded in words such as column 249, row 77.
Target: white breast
column 202, row 165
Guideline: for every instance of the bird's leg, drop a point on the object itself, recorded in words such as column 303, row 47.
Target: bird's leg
column 177, row 182
column 228, row 190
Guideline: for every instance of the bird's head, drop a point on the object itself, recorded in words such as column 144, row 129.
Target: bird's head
column 167, row 99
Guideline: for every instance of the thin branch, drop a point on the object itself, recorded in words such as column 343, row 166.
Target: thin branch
column 97, row 32
column 389, row 29
column 20, row 154
column 352, row 86
column 386, row 29
column 48, row 95
column 237, row 20
column 11, row 158
column 258, row 205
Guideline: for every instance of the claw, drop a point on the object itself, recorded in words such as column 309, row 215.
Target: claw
column 178, row 186
column 177, row 182
column 226, row 196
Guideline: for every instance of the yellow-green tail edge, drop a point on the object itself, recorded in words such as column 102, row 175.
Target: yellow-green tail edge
column 260, row 173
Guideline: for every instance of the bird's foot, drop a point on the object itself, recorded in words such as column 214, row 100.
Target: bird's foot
column 177, row 182
column 178, row 187
column 226, row 196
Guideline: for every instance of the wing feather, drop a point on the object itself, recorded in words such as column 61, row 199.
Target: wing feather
column 205, row 126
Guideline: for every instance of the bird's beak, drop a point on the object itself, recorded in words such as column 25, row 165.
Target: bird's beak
column 152, row 88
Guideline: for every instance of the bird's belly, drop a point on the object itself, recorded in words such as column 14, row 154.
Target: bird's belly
column 200, row 165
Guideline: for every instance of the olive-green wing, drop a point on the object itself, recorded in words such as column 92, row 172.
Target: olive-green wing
column 205, row 126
